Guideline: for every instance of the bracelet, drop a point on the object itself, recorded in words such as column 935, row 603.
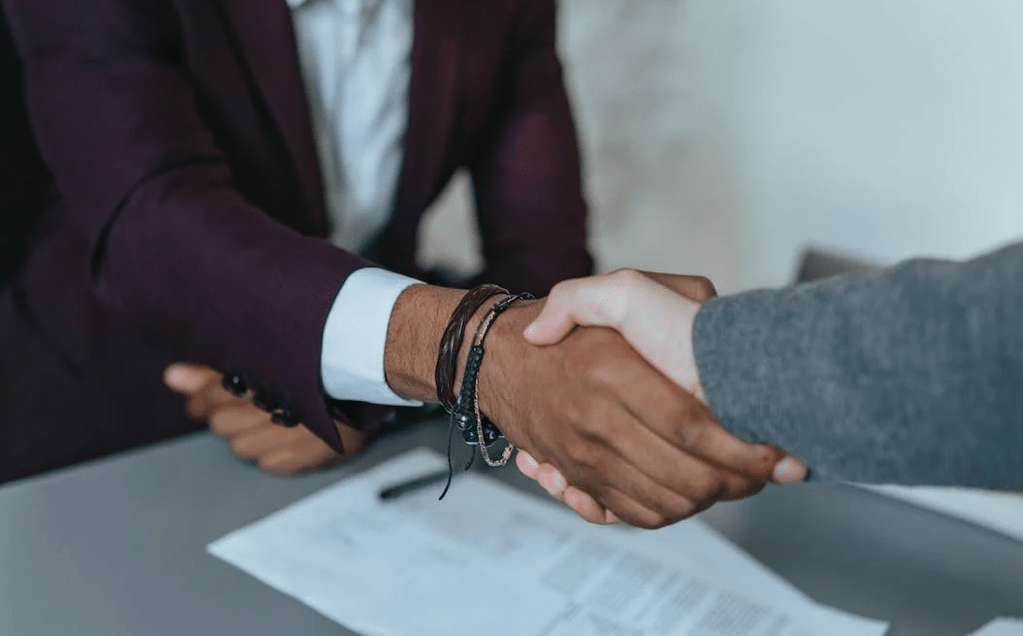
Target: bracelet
column 451, row 341
column 476, row 429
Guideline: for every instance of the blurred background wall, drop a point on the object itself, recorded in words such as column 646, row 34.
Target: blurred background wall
column 722, row 136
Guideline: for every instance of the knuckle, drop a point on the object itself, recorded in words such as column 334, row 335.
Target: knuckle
column 680, row 509
column 625, row 277
column 559, row 291
column 653, row 521
column 281, row 464
column 584, row 456
column 605, row 373
column 691, row 437
column 598, row 427
column 195, row 409
column 708, row 496
column 743, row 487
column 221, row 420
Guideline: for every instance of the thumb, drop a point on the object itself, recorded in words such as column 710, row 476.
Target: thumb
column 182, row 377
column 554, row 323
column 584, row 302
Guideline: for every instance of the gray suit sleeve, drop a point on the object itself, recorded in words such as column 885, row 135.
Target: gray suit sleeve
column 912, row 375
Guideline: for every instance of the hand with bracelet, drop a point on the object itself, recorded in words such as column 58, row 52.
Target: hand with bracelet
column 642, row 448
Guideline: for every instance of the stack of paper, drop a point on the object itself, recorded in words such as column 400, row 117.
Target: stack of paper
column 491, row 560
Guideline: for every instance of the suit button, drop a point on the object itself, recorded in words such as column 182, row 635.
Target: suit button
column 284, row 417
column 234, row 385
column 265, row 402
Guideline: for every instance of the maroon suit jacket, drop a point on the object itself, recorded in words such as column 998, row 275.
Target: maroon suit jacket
column 187, row 221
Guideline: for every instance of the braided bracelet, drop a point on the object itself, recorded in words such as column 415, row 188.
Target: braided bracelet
column 476, row 429
column 451, row 341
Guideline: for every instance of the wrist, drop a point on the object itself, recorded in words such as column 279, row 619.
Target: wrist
column 413, row 336
column 418, row 321
column 506, row 348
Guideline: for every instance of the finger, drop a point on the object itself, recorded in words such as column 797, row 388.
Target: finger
column 698, row 288
column 596, row 301
column 688, row 425
column 709, row 440
column 570, row 303
column 587, row 507
column 526, row 464
column 352, row 440
column 233, row 419
column 657, row 440
column 303, row 457
column 678, row 472
column 625, row 508
column 258, row 441
column 583, row 504
column 203, row 402
column 551, row 479
column 187, row 378
column 608, row 299
column 637, row 498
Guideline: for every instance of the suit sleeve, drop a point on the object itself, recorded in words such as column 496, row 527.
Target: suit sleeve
column 527, row 181
column 176, row 251
column 913, row 375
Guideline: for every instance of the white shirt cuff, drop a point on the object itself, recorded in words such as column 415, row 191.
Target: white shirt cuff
column 352, row 359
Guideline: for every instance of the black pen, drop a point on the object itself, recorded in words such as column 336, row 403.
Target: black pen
column 405, row 487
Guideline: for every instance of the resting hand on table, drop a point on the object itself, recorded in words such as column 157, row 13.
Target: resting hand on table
column 250, row 431
column 655, row 314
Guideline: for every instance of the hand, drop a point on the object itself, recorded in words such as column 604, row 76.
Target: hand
column 251, row 433
column 629, row 440
column 655, row 312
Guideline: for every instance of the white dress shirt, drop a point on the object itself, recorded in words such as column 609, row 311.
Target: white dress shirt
column 355, row 57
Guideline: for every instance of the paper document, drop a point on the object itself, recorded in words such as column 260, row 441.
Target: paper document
column 1001, row 627
column 490, row 559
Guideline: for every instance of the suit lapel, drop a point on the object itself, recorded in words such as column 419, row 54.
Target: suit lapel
column 432, row 101
column 265, row 36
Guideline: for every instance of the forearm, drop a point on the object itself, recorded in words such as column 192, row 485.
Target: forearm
column 912, row 375
column 201, row 276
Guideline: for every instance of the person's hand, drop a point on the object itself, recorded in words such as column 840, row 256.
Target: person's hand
column 655, row 313
column 630, row 441
column 251, row 433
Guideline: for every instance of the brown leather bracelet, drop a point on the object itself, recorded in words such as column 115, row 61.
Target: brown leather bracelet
column 451, row 341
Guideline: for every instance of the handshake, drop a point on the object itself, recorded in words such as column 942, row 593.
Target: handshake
column 596, row 385
column 685, row 460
